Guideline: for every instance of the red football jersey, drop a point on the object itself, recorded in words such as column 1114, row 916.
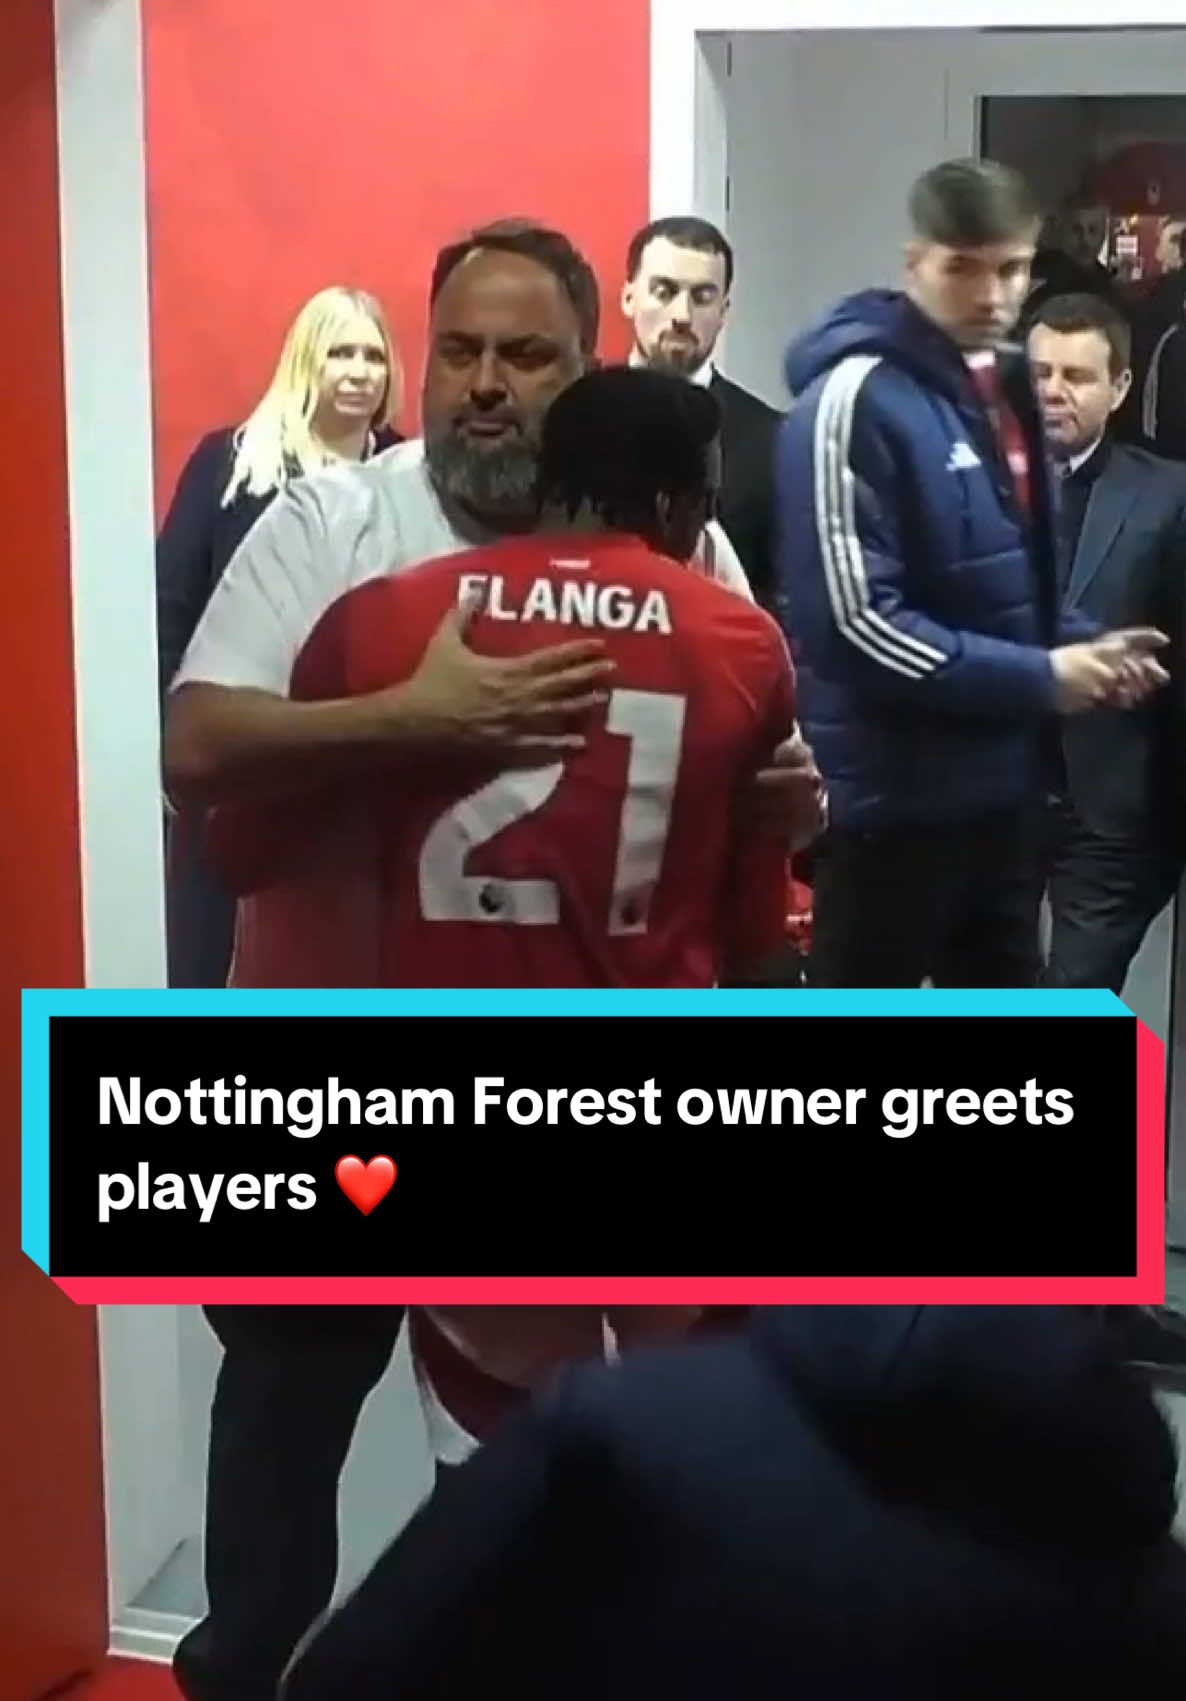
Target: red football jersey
column 625, row 864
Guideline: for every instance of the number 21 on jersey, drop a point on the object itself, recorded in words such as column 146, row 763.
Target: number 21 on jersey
column 654, row 724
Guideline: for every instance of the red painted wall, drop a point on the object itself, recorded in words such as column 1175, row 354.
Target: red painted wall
column 291, row 147
column 52, row 1581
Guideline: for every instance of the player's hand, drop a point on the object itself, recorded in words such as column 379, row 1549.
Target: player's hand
column 526, row 705
column 1119, row 668
column 789, row 795
column 1139, row 678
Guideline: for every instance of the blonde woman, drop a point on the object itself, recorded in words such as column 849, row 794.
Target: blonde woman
column 336, row 388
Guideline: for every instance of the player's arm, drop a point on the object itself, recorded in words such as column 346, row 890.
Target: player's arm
column 231, row 727
column 759, row 878
column 789, row 793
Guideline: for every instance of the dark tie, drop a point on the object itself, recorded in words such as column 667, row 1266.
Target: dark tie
column 1073, row 494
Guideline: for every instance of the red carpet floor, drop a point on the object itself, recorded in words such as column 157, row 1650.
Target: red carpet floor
column 125, row 1680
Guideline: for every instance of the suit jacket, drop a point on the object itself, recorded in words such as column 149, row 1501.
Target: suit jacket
column 748, row 432
column 197, row 539
column 1130, row 570
column 891, row 1502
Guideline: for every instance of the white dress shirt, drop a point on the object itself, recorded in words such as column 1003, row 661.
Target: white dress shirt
column 1074, row 462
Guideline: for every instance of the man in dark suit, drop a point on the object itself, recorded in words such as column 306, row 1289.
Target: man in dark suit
column 838, row 1503
column 1115, row 847
column 1117, row 853
column 679, row 276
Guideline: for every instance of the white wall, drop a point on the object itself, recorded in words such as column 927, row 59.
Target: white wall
column 388, row 1473
column 147, row 1508
column 157, row 1437
column 823, row 145
column 109, row 459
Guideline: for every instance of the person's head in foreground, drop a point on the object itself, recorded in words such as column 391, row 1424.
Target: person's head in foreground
column 974, row 231
column 630, row 450
column 881, row 1503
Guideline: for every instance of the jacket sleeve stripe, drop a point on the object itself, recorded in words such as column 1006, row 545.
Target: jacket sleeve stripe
column 839, row 541
column 1151, row 394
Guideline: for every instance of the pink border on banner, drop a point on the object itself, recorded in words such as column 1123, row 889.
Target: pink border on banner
column 1146, row 1287
column 619, row 1290
column 1151, row 1111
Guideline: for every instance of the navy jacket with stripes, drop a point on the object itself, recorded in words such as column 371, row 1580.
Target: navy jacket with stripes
column 920, row 601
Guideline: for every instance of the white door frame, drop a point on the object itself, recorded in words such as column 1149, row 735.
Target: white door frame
column 105, row 350
column 105, row 340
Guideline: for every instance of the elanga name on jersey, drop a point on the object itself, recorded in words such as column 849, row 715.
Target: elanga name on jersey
column 568, row 602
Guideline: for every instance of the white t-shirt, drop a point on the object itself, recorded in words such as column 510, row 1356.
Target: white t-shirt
column 450, row 1442
column 325, row 535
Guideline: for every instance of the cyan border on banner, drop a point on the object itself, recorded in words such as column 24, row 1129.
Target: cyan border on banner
column 35, row 1134
column 43, row 1002
column 40, row 1005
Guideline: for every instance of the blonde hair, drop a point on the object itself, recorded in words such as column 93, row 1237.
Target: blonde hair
column 278, row 436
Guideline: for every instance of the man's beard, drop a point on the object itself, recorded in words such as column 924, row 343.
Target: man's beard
column 680, row 359
column 490, row 483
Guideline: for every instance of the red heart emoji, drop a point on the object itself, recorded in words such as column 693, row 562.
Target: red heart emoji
column 365, row 1185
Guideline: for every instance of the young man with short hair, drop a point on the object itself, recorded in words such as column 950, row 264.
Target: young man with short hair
column 918, row 566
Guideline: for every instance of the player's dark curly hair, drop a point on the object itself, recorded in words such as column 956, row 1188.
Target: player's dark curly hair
column 621, row 437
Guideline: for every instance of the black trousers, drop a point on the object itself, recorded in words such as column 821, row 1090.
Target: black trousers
column 786, row 969
column 1104, row 891
column 957, row 904
column 291, row 1385
column 199, row 912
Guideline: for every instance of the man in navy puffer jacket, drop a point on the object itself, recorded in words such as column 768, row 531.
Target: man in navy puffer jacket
column 918, row 587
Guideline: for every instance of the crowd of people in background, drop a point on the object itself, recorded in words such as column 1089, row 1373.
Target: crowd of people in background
column 610, row 677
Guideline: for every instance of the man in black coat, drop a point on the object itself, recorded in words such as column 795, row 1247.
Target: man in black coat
column 1118, row 848
column 679, row 277
column 1116, row 842
column 841, row 1503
